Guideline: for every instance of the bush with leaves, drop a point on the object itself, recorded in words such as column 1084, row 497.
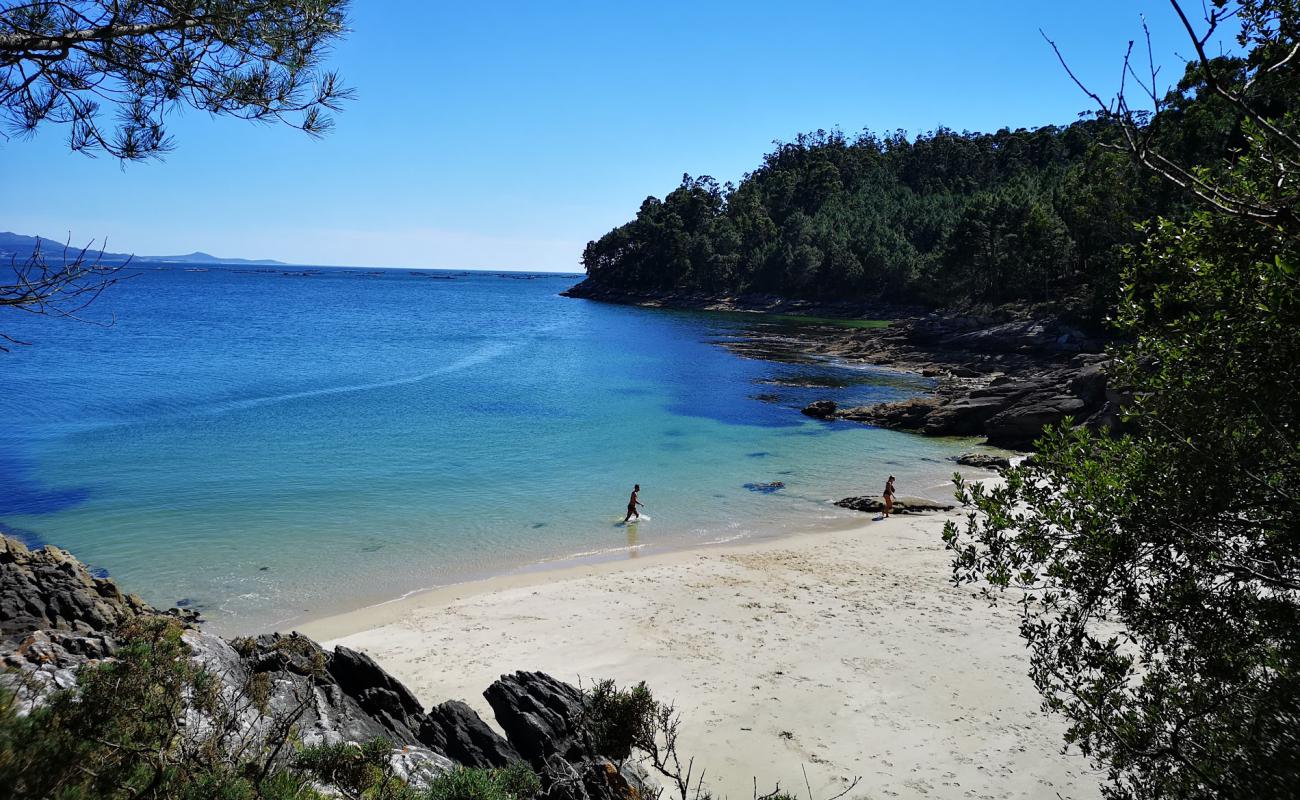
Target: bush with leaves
column 617, row 721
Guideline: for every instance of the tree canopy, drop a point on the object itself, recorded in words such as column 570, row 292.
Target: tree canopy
column 943, row 218
column 68, row 63
column 1159, row 571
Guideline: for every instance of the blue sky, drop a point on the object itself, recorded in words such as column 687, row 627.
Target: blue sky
column 507, row 135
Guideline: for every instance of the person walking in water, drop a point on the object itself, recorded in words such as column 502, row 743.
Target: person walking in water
column 632, row 503
column 889, row 497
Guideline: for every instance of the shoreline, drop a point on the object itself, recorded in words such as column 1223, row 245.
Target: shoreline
column 1003, row 373
column 826, row 517
column 846, row 653
column 340, row 625
column 751, row 303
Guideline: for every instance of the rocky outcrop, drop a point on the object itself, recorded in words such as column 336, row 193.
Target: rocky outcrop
column 55, row 618
column 984, row 461
column 820, row 409
column 1004, row 375
column 379, row 694
column 455, row 729
column 872, row 504
column 542, row 718
column 1009, row 412
column 538, row 714
column 49, row 589
column 342, row 695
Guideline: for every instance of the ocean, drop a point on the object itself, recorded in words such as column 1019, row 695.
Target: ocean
column 274, row 445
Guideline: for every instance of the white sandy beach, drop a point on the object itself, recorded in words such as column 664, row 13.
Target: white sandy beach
column 845, row 653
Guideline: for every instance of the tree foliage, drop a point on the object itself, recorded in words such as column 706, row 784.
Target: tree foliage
column 1161, row 569
column 76, row 63
column 67, row 63
column 944, row 218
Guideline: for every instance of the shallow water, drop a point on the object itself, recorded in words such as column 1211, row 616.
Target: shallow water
column 269, row 448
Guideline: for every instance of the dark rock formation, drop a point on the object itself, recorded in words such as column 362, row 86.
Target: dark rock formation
column 1018, row 425
column 905, row 415
column 820, row 409
column 1008, row 412
column 871, row 504
column 539, row 715
column 343, row 695
column 984, row 461
column 56, row 616
column 49, row 589
column 457, row 731
column 379, row 694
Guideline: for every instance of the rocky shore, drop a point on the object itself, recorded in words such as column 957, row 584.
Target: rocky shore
column 55, row 618
column 1003, row 374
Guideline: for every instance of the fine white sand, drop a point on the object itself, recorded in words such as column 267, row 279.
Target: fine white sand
column 846, row 653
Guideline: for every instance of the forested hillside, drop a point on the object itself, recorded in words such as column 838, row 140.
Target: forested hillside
column 941, row 219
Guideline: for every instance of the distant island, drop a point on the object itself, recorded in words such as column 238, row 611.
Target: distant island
column 15, row 246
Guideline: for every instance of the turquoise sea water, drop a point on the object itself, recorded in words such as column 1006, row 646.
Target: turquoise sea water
column 271, row 447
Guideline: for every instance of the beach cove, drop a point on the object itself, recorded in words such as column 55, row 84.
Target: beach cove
column 844, row 653
column 268, row 447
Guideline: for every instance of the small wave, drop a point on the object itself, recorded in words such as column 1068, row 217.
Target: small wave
column 604, row 551
column 484, row 354
column 728, row 539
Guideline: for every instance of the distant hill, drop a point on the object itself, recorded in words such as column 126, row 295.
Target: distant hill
column 14, row 245
column 206, row 258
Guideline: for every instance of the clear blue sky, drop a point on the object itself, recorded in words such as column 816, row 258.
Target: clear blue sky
column 506, row 135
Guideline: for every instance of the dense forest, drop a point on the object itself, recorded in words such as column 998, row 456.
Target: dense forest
column 944, row 218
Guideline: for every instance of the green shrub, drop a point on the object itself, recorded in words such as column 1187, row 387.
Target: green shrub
column 356, row 770
column 121, row 734
column 514, row 782
column 615, row 720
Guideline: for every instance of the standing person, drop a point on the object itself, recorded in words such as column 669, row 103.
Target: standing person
column 889, row 496
column 632, row 503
